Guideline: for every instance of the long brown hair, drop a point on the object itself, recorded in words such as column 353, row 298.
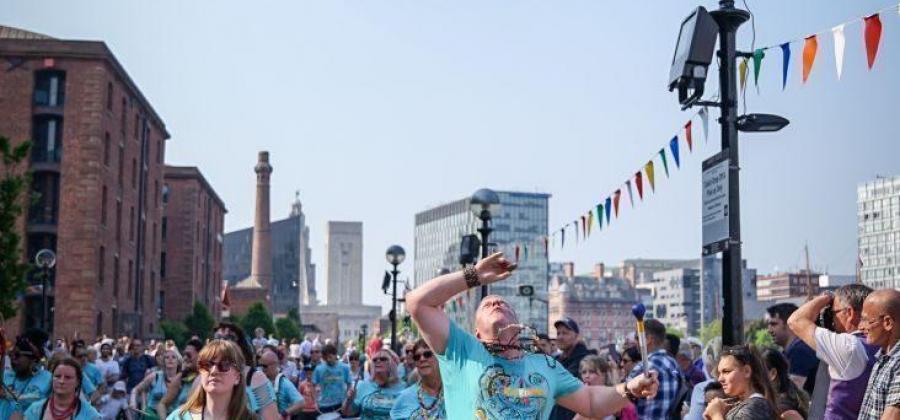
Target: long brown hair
column 759, row 381
column 222, row 350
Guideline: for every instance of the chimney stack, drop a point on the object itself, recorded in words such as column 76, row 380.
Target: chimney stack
column 261, row 266
column 569, row 269
column 599, row 270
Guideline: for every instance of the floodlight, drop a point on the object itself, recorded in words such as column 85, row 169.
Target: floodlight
column 761, row 123
column 693, row 54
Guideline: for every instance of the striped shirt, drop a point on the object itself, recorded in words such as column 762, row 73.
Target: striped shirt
column 883, row 390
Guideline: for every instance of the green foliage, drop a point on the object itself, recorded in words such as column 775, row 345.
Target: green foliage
column 710, row 331
column 294, row 315
column 200, row 322
column 757, row 334
column 257, row 316
column 13, row 193
column 675, row 331
column 174, row 330
column 287, row 329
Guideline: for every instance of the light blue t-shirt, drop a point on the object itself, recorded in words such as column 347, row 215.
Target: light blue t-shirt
column 374, row 402
column 29, row 390
column 157, row 391
column 87, row 385
column 85, row 411
column 334, row 381
column 93, row 373
column 286, row 393
column 481, row 385
column 407, row 406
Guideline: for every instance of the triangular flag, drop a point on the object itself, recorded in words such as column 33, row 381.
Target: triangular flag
column 758, row 56
column 648, row 168
column 673, row 145
column 525, row 252
column 600, row 216
column 639, row 182
column 786, row 52
column 630, row 196
column 546, row 247
column 616, row 196
column 704, row 115
column 687, row 135
column 576, row 230
column 873, row 37
column 839, row 42
column 517, row 254
column 662, row 155
column 742, row 73
column 608, row 209
column 562, row 237
column 810, row 46
column 583, row 226
column 590, row 220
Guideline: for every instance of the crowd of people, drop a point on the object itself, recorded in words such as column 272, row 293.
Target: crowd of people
column 836, row 358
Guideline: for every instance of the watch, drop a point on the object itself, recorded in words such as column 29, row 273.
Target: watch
column 471, row 276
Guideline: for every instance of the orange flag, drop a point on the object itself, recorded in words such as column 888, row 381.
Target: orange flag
column 809, row 55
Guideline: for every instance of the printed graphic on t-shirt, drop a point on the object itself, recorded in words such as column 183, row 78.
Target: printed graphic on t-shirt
column 505, row 396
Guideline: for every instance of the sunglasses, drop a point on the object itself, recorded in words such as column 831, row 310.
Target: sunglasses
column 427, row 354
column 229, row 337
column 380, row 359
column 206, row 365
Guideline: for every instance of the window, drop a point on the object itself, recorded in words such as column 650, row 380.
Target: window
column 116, row 277
column 106, row 144
column 156, row 194
column 134, row 173
column 103, row 206
column 45, row 198
column 131, row 226
column 99, row 326
column 118, row 220
column 47, row 135
column 49, row 88
column 137, row 120
column 165, row 225
column 109, row 96
column 121, row 163
column 122, row 118
column 159, row 151
column 162, row 266
column 101, row 266
column 130, row 278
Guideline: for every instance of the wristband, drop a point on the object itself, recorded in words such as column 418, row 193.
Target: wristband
column 471, row 276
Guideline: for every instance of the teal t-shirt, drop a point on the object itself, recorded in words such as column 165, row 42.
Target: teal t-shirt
column 286, row 394
column 93, row 373
column 375, row 403
column 85, row 412
column 407, row 406
column 29, row 390
column 481, row 385
column 333, row 381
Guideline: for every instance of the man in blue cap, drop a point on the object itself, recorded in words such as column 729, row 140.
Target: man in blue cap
column 568, row 339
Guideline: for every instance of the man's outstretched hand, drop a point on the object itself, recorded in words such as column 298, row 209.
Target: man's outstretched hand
column 494, row 268
column 644, row 386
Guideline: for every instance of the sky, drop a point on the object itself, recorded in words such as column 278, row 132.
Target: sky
column 377, row 110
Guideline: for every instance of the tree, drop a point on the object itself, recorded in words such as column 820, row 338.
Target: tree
column 674, row 331
column 710, row 331
column 257, row 317
column 294, row 315
column 174, row 330
column 13, row 192
column 758, row 334
column 200, row 322
column 287, row 329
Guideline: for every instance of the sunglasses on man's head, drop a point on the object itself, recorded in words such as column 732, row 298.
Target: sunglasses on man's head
column 427, row 354
column 207, row 365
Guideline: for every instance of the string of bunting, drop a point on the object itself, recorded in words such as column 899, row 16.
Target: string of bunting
column 609, row 208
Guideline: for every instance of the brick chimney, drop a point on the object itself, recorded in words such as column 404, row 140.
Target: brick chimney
column 261, row 265
column 599, row 270
column 569, row 269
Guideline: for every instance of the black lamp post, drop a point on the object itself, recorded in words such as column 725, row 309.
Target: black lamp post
column 395, row 256
column 485, row 203
column 363, row 329
column 45, row 259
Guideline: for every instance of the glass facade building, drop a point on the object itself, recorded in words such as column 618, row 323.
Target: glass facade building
column 878, row 222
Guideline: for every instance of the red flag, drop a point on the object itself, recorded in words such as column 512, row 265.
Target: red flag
column 517, row 254
column 616, row 201
column 687, row 133
column 873, row 36
column 639, row 182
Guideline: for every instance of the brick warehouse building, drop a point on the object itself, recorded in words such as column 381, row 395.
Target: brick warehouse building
column 192, row 236
column 97, row 169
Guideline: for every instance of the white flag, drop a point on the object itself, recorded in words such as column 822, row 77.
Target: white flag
column 838, row 32
column 704, row 115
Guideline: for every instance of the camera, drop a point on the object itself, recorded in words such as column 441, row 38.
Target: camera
column 826, row 318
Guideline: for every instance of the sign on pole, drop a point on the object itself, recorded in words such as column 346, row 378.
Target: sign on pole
column 715, row 204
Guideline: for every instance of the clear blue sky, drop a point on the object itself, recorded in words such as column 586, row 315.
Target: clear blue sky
column 376, row 110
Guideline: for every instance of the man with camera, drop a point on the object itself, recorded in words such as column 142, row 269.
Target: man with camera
column 844, row 350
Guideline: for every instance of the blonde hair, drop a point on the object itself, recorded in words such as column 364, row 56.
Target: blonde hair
column 223, row 350
column 598, row 364
column 393, row 363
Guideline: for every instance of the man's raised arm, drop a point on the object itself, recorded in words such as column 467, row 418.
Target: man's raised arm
column 424, row 303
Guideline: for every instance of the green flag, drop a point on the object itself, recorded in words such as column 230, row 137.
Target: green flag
column 758, row 56
column 662, row 155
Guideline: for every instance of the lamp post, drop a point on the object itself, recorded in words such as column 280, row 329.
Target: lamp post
column 395, row 256
column 45, row 259
column 362, row 338
column 485, row 203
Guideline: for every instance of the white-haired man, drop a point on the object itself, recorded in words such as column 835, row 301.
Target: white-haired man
column 488, row 375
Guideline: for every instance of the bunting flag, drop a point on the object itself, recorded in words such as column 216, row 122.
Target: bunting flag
column 704, row 116
column 630, row 196
column 546, row 247
column 616, row 196
column 673, row 144
column 687, row 135
column 648, row 168
column 838, row 32
column 600, row 216
column 562, row 237
column 742, row 74
column 583, row 227
column 608, row 209
column 786, row 52
column 517, row 254
column 873, row 37
column 576, row 230
column 758, row 56
column 525, row 252
column 639, row 182
column 590, row 221
column 810, row 46
column 662, row 155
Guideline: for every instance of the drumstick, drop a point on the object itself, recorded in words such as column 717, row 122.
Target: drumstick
column 639, row 310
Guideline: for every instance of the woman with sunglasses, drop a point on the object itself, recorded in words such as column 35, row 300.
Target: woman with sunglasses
column 424, row 400
column 744, row 381
column 631, row 356
column 221, row 394
column 373, row 399
column 260, row 393
column 65, row 402
column 155, row 384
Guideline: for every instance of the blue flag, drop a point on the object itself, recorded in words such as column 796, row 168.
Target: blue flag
column 673, row 144
column 786, row 50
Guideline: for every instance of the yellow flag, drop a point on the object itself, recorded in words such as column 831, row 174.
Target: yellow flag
column 742, row 71
column 648, row 168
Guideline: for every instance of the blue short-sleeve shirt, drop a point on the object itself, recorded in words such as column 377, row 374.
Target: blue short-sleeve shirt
column 29, row 390
column 286, row 394
column 334, row 381
column 408, row 406
column 374, row 402
column 481, row 385
column 85, row 411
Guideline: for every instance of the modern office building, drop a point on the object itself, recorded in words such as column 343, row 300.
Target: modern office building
column 878, row 222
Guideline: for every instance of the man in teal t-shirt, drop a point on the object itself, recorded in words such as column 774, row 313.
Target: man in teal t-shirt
column 332, row 378
column 488, row 375
column 27, row 381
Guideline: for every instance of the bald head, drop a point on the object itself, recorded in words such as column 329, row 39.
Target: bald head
column 269, row 363
column 880, row 314
column 886, row 301
column 494, row 313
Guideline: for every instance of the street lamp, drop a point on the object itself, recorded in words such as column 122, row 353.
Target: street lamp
column 45, row 259
column 693, row 53
column 362, row 338
column 395, row 256
column 485, row 203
